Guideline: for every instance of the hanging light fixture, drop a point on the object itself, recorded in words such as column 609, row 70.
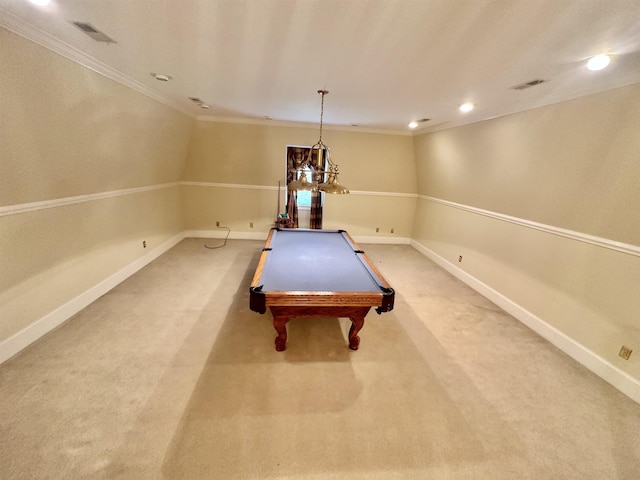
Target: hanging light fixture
column 315, row 162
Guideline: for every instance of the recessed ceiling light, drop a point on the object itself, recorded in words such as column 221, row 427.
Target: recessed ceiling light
column 415, row 123
column 466, row 107
column 161, row 76
column 598, row 62
column 40, row 3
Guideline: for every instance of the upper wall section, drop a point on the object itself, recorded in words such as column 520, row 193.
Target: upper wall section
column 247, row 154
column 573, row 165
column 66, row 130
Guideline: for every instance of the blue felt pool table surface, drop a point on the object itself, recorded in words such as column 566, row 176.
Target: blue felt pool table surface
column 320, row 260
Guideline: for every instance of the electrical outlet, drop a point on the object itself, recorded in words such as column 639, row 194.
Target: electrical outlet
column 393, row 230
column 460, row 258
column 625, row 352
column 250, row 224
column 144, row 244
column 377, row 229
column 217, row 224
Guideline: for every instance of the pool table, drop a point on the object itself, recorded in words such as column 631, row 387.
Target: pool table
column 317, row 273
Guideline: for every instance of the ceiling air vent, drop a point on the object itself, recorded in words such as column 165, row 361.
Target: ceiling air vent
column 93, row 32
column 530, row 84
column 200, row 103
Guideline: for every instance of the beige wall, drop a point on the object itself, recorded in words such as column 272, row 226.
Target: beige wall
column 242, row 164
column 573, row 165
column 81, row 146
column 522, row 196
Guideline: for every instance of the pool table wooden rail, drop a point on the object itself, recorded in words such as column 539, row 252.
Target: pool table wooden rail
column 261, row 300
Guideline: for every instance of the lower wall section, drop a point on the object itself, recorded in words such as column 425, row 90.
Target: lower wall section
column 240, row 206
column 42, row 326
column 58, row 258
column 577, row 294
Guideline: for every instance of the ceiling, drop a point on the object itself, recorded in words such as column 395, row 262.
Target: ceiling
column 384, row 62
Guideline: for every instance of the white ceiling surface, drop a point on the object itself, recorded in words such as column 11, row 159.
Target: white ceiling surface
column 384, row 62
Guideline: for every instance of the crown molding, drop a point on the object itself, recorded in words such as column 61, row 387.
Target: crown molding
column 20, row 27
column 291, row 124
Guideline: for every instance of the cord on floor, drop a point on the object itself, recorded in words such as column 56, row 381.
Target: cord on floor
column 223, row 244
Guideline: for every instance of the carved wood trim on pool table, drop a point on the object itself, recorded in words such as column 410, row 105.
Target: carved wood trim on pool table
column 323, row 298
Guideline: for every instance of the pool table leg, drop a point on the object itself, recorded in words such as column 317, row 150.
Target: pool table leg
column 282, row 314
column 357, row 322
column 280, row 324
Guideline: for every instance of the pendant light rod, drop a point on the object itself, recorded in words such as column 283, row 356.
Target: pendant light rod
column 322, row 93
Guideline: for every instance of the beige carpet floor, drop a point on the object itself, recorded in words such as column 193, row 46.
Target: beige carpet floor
column 170, row 375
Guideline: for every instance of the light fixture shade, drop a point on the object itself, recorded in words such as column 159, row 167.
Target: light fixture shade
column 333, row 186
column 302, row 184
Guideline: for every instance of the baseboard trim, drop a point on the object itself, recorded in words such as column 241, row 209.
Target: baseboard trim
column 382, row 240
column 222, row 233
column 263, row 236
column 16, row 343
column 621, row 380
